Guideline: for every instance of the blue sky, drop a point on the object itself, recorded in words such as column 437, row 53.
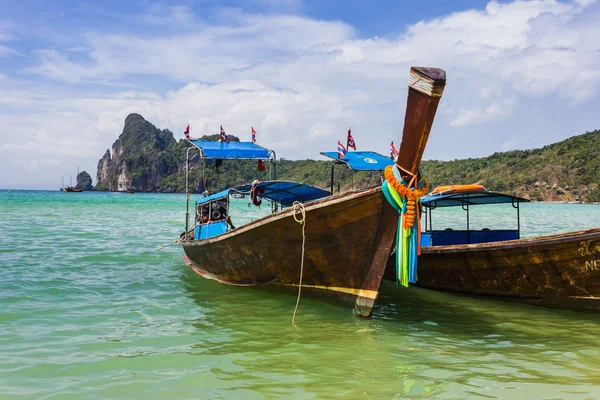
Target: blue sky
column 521, row 74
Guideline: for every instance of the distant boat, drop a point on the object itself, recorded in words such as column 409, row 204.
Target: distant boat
column 130, row 190
column 72, row 188
column 238, row 195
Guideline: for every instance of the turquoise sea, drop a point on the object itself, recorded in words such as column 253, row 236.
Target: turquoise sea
column 89, row 309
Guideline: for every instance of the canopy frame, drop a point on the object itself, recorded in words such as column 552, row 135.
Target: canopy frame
column 348, row 163
column 271, row 156
column 464, row 200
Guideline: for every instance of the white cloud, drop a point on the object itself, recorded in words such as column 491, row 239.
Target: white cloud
column 477, row 115
column 161, row 14
column 302, row 81
column 5, row 36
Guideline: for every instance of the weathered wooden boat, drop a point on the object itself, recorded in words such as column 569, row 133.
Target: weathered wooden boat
column 561, row 270
column 130, row 190
column 348, row 236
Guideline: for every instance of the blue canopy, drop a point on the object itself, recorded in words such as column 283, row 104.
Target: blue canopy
column 215, row 196
column 468, row 198
column 362, row 160
column 286, row 192
column 231, row 150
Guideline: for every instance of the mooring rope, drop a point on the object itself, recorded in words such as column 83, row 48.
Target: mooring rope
column 166, row 245
column 299, row 210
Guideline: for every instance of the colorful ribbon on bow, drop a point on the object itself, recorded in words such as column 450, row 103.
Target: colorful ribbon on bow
column 405, row 199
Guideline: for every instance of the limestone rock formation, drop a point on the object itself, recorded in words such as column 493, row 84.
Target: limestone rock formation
column 84, row 181
column 139, row 157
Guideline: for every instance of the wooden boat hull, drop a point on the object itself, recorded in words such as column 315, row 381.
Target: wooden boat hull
column 561, row 270
column 348, row 241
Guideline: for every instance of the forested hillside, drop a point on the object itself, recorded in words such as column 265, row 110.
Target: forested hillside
column 150, row 159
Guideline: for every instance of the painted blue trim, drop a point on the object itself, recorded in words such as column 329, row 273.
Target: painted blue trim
column 231, row 150
column 210, row 229
column 362, row 160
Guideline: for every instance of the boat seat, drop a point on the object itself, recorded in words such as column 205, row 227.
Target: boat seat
column 449, row 236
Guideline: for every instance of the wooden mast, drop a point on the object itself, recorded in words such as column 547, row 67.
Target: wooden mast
column 425, row 88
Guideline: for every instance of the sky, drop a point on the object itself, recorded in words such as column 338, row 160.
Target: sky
column 520, row 75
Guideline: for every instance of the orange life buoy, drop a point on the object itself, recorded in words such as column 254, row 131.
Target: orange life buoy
column 459, row 189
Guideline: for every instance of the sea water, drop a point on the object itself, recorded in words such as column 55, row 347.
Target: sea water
column 89, row 309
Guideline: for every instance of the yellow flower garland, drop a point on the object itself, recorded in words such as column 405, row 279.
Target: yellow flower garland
column 410, row 194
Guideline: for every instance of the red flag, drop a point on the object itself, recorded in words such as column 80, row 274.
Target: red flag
column 341, row 150
column 253, row 135
column 393, row 151
column 224, row 137
column 187, row 131
column 350, row 141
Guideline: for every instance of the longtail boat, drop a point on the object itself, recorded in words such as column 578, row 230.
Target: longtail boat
column 560, row 270
column 349, row 236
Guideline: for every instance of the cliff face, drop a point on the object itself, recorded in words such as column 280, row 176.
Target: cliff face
column 102, row 174
column 139, row 157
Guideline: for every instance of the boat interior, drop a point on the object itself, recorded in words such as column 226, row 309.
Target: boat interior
column 465, row 200
column 212, row 212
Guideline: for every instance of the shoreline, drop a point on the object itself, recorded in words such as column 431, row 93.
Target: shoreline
column 10, row 190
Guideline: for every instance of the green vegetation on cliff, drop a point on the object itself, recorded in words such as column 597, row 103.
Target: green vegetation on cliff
column 152, row 160
column 563, row 171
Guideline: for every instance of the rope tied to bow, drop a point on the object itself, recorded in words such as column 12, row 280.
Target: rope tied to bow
column 299, row 217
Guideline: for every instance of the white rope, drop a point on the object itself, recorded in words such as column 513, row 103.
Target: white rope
column 299, row 217
column 167, row 245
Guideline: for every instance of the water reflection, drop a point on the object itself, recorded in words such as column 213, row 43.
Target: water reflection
column 419, row 343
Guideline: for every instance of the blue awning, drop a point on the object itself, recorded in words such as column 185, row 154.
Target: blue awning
column 362, row 160
column 231, row 150
column 286, row 192
column 468, row 198
column 220, row 195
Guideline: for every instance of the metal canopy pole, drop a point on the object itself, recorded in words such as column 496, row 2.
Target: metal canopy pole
column 518, row 222
column 332, row 166
column 187, row 190
column 274, row 163
column 468, row 230
column 518, row 218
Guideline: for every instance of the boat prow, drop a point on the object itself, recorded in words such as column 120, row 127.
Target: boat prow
column 331, row 246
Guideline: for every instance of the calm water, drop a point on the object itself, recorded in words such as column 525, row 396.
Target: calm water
column 90, row 310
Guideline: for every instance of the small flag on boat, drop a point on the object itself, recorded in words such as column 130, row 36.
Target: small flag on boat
column 393, row 151
column 253, row 135
column 187, row 131
column 341, row 150
column 224, row 137
column 350, row 142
